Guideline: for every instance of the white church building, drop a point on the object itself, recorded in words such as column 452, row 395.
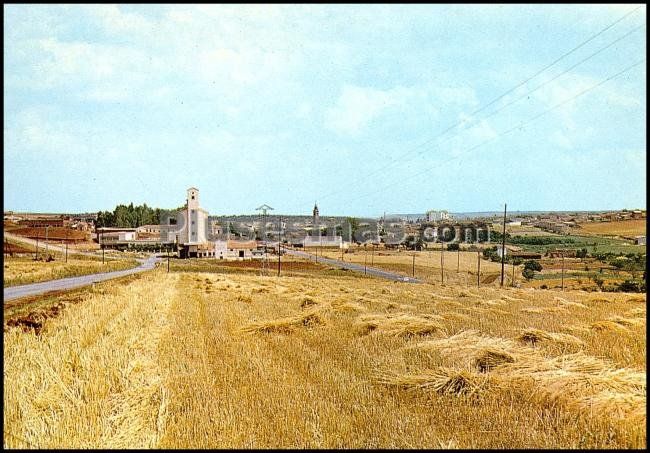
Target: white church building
column 191, row 230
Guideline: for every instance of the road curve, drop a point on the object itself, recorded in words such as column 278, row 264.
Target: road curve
column 15, row 292
column 354, row 267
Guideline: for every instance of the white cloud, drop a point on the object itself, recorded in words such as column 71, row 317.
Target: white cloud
column 357, row 106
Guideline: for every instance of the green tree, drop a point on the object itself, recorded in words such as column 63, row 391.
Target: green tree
column 533, row 265
column 528, row 273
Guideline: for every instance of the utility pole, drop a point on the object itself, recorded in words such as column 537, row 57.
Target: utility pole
column 372, row 262
column 36, row 246
column 442, row 262
column 264, row 208
column 413, row 265
column 46, row 249
column 513, row 274
column 458, row 262
column 101, row 240
column 562, row 271
column 279, row 244
column 503, row 245
column 365, row 260
column 167, row 259
column 478, row 271
column 66, row 244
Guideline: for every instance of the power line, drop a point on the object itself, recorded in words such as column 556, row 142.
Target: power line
column 520, row 126
column 480, row 109
column 525, row 95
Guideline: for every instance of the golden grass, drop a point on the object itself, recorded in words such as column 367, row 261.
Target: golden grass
column 22, row 271
column 534, row 336
column 206, row 360
column 445, row 381
column 634, row 227
column 309, row 318
column 399, row 324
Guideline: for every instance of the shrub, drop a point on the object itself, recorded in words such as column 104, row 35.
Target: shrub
column 528, row 273
column 532, row 265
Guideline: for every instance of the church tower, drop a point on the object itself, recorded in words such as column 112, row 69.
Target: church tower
column 315, row 221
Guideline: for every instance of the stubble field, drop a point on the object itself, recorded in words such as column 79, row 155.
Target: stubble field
column 210, row 360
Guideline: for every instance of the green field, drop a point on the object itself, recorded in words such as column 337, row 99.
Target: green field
column 591, row 243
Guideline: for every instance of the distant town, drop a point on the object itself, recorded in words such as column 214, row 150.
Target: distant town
column 195, row 233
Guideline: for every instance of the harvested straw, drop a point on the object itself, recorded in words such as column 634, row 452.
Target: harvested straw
column 468, row 341
column 540, row 310
column 309, row 318
column 599, row 299
column 636, row 299
column 627, row 322
column 400, row 324
column 307, row 302
column 611, row 326
column 639, row 311
column 534, row 336
column 347, row 306
column 445, row 381
column 512, row 299
column 245, row 298
column 568, row 303
column 489, row 359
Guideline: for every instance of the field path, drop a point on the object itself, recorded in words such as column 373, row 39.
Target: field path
column 15, row 292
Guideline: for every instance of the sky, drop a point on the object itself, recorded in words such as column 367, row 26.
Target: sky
column 364, row 109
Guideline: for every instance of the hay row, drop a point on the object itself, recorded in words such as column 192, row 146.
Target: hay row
column 309, row 318
column 535, row 336
column 399, row 324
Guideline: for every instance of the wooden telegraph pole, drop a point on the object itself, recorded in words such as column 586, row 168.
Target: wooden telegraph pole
column 414, row 265
column 442, row 262
column 478, row 271
column 562, row 271
column 365, row 260
column 503, row 243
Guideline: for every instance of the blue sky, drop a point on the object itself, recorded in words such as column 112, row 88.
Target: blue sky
column 343, row 104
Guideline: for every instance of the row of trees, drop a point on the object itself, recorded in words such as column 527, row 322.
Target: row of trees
column 130, row 216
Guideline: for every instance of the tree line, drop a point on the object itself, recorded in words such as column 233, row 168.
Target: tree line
column 130, row 216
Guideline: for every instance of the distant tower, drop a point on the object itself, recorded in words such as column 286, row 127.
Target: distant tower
column 316, row 221
column 195, row 217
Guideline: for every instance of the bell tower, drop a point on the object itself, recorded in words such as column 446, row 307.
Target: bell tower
column 315, row 221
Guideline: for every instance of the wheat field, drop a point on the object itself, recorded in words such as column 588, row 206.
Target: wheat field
column 24, row 270
column 635, row 227
column 208, row 360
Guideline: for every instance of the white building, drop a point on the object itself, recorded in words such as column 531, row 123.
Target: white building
column 236, row 250
column 323, row 241
column 191, row 229
column 436, row 216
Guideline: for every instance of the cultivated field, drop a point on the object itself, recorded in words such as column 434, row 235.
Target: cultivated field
column 23, row 270
column 458, row 268
column 213, row 360
column 628, row 228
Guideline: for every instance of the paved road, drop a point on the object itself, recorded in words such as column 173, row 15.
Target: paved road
column 354, row 267
column 15, row 292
